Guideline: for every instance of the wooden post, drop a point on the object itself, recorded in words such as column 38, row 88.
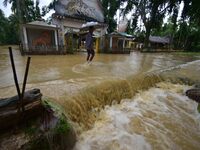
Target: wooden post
column 15, row 77
column 97, row 45
column 24, row 83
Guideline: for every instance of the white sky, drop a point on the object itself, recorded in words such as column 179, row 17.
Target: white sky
column 7, row 10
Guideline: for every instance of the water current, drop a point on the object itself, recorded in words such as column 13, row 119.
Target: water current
column 119, row 102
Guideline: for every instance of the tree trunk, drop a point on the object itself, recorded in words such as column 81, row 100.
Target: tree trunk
column 148, row 32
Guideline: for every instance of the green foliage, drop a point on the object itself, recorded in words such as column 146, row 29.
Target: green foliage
column 3, row 27
column 110, row 8
column 40, row 143
column 62, row 127
column 9, row 29
column 150, row 14
column 132, row 25
column 30, row 130
column 187, row 37
column 26, row 11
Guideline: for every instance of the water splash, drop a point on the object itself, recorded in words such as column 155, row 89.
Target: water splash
column 83, row 108
column 179, row 66
column 160, row 118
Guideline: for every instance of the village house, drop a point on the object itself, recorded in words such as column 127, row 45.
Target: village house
column 40, row 38
column 65, row 35
column 71, row 15
column 159, row 43
column 119, row 42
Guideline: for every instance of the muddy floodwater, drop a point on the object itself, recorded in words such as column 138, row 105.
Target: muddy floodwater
column 68, row 73
column 118, row 102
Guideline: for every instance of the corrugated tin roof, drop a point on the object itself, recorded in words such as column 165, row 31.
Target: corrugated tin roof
column 122, row 34
column 158, row 39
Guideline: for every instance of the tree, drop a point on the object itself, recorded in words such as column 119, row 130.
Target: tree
column 132, row 25
column 3, row 26
column 151, row 12
column 188, row 30
column 29, row 11
column 13, row 30
column 26, row 10
column 110, row 8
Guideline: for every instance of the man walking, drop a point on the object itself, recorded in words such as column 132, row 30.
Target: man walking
column 89, row 45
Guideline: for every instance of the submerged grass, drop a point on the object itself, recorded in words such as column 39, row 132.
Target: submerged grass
column 62, row 127
column 188, row 53
column 84, row 107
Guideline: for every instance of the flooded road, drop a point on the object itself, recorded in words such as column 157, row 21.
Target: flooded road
column 68, row 73
column 120, row 102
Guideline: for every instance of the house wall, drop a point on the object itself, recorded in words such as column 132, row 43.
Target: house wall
column 69, row 25
column 38, row 36
column 159, row 46
column 39, row 40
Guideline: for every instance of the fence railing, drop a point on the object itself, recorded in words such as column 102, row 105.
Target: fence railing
column 44, row 50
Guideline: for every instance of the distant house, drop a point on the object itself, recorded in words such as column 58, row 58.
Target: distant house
column 39, row 38
column 118, row 42
column 157, row 42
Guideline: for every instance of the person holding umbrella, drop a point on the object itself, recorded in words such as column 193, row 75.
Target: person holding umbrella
column 91, row 26
column 89, row 44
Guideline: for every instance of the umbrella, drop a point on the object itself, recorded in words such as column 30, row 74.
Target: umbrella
column 87, row 25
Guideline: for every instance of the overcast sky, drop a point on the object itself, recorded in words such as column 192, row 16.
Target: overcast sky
column 7, row 10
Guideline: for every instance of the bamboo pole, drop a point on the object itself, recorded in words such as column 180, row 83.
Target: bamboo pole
column 15, row 78
column 24, row 82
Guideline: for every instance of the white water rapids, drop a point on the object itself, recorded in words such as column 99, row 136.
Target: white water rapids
column 159, row 118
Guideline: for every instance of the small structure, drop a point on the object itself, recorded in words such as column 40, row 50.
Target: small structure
column 157, row 42
column 40, row 38
column 119, row 42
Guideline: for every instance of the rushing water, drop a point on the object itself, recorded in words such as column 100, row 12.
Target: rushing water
column 159, row 118
column 125, row 102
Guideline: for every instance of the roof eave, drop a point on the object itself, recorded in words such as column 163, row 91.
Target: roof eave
column 40, row 26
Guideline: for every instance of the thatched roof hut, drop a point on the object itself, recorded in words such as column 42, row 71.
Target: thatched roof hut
column 159, row 39
column 158, row 42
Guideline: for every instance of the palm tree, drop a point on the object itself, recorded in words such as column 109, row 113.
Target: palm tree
column 151, row 12
column 13, row 4
column 26, row 10
column 16, row 7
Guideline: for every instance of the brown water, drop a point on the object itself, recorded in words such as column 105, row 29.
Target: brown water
column 69, row 73
column 120, row 102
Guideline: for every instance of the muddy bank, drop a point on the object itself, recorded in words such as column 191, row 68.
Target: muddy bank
column 50, row 129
